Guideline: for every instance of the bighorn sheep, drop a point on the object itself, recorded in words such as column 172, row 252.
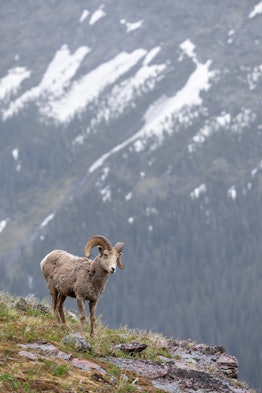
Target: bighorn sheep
column 80, row 277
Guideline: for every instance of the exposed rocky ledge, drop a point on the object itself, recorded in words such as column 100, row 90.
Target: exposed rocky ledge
column 191, row 368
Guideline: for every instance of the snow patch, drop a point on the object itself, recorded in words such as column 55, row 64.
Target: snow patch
column 232, row 192
column 254, row 77
column 222, row 122
column 139, row 146
column 88, row 88
column 60, row 99
column 243, row 120
column 151, row 55
column 105, row 174
column 256, row 10
column 55, row 82
column 160, row 115
column 198, row 191
column 188, row 49
column 62, row 69
column 104, row 189
column 128, row 196
column 3, row 224
column 224, row 119
column 83, row 16
column 256, row 170
column 79, row 140
column 49, row 218
column 15, row 154
column 106, row 193
column 98, row 14
column 124, row 94
column 230, row 36
column 131, row 26
column 11, row 83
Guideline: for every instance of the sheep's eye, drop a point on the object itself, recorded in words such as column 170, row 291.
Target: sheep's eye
column 105, row 254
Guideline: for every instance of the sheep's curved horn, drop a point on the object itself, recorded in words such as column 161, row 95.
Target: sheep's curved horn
column 119, row 247
column 97, row 241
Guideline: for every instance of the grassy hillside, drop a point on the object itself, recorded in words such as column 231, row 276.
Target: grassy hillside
column 26, row 323
column 35, row 358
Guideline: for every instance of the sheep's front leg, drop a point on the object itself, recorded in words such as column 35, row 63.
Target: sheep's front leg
column 54, row 295
column 82, row 317
column 92, row 310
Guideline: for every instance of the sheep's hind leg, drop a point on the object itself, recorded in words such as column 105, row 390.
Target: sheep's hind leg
column 82, row 317
column 60, row 302
column 92, row 311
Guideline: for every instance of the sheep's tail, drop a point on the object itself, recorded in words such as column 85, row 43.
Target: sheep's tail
column 97, row 241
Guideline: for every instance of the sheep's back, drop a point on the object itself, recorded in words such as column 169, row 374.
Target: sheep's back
column 55, row 259
column 62, row 269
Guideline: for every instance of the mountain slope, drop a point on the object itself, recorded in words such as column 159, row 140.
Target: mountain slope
column 140, row 122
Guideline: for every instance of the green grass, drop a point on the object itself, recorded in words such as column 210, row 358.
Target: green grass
column 10, row 379
column 24, row 326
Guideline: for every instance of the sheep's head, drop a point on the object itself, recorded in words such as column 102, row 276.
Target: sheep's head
column 110, row 257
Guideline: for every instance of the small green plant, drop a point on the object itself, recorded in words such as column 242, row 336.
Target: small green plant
column 10, row 379
column 60, row 370
column 31, row 373
column 113, row 370
column 33, row 312
column 9, row 332
column 65, row 386
column 125, row 387
column 29, row 333
column 26, row 387
column 4, row 312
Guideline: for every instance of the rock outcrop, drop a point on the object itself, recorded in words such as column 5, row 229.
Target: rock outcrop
column 191, row 368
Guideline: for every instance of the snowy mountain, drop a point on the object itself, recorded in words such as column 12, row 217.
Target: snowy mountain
column 140, row 121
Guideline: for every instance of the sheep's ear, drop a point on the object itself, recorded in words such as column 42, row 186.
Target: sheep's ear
column 100, row 249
